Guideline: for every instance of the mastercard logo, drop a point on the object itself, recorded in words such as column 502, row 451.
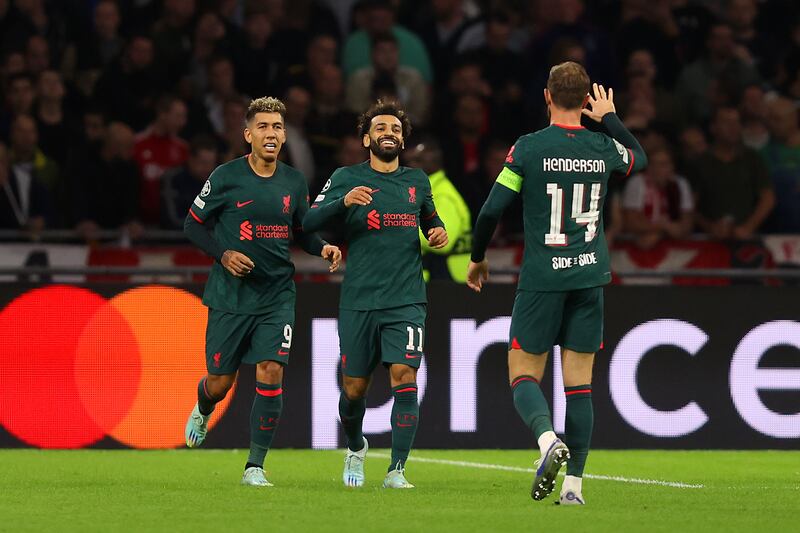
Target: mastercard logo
column 76, row 367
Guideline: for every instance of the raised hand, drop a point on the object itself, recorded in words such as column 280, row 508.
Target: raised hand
column 601, row 103
column 358, row 196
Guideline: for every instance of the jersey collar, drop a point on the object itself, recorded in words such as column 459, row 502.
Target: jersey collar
column 564, row 126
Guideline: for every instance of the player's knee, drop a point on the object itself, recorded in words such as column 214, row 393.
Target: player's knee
column 218, row 386
column 355, row 388
column 269, row 372
column 402, row 374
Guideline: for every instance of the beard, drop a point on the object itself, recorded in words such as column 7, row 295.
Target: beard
column 384, row 154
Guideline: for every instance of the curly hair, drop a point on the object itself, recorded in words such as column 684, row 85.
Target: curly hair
column 265, row 104
column 382, row 107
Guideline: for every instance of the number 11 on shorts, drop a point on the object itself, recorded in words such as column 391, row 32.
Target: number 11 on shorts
column 410, row 345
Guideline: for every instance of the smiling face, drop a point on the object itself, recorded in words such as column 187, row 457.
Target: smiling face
column 385, row 137
column 266, row 134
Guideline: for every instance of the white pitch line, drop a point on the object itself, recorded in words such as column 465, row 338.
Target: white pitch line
column 489, row 466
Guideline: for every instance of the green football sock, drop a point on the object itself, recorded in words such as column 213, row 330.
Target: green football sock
column 531, row 404
column 351, row 413
column 405, row 417
column 579, row 422
column 205, row 402
column 264, row 418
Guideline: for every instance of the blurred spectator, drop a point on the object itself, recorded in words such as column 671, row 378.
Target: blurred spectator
column 754, row 47
column 20, row 97
column 322, row 50
column 693, row 144
column 782, row 155
column 221, row 88
column 254, row 55
column 44, row 19
column 351, row 151
column 451, row 261
column 465, row 78
column 37, row 55
column 658, row 203
column 128, row 89
column 644, row 102
column 441, row 31
column 157, row 149
column 463, row 149
column 478, row 184
column 753, row 110
column 232, row 140
column 98, row 48
column 379, row 18
column 106, row 190
column 210, row 41
column 172, row 39
column 298, row 148
column 23, row 201
column 412, row 91
column 734, row 194
column 503, row 70
column 650, row 25
column 181, row 184
column 328, row 122
column 54, row 121
column 571, row 24
column 719, row 72
column 32, row 169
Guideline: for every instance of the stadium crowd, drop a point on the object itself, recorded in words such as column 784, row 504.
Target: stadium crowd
column 115, row 112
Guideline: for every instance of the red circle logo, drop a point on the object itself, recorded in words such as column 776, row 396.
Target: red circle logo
column 76, row 367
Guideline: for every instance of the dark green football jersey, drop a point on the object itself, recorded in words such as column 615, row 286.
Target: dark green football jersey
column 562, row 174
column 384, row 261
column 255, row 216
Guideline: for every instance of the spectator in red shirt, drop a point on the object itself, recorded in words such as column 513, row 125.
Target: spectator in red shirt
column 157, row 149
column 658, row 203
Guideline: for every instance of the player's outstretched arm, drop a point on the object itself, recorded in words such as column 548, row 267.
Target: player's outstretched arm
column 499, row 199
column 603, row 111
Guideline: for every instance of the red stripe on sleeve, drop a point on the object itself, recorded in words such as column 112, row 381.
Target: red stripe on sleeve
column 630, row 167
column 430, row 216
column 197, row 218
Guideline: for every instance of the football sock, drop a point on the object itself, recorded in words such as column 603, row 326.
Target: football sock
column 405, row 416
column 264, row 418
column 572, row 483
column 204, row 400
column 532, row 407
column 351, row 413
column 578, row 427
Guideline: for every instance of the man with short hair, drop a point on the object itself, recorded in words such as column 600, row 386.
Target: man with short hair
column 562, row 173
column 157, row 149
column 179, row 185
column 383, row 303
column 256, row 203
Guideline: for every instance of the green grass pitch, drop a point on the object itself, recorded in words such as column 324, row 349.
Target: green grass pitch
column 198, row 490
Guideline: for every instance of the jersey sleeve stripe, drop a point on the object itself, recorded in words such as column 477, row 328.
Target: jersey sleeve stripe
column 194, row 216
column 510, row 179
column 630, row 167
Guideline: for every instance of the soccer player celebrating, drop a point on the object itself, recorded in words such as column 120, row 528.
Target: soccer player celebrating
column 382, row 309
column 255, row 203
column 561, row 172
